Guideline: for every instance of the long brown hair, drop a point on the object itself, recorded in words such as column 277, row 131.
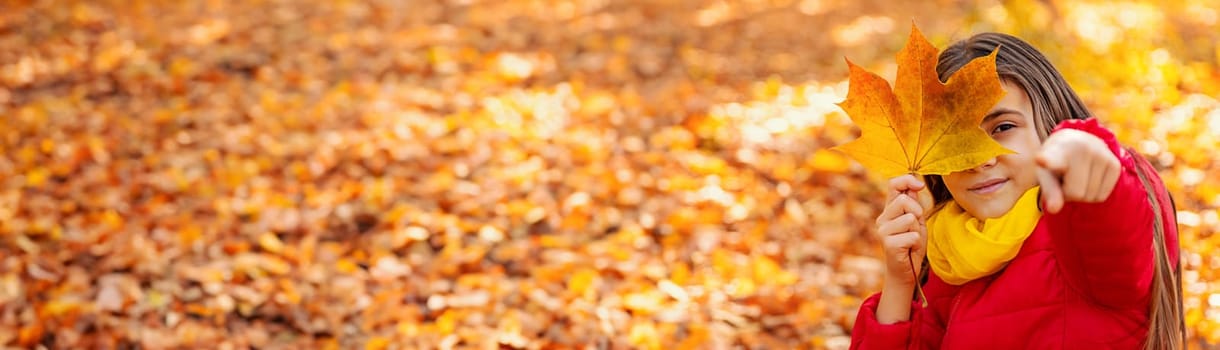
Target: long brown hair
column 1054, row 101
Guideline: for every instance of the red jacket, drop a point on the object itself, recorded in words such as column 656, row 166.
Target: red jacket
column 1082, row 280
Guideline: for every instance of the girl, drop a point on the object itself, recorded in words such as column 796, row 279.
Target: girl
column 1071, row 242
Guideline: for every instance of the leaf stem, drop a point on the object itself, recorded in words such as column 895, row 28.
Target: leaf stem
column 915, row 276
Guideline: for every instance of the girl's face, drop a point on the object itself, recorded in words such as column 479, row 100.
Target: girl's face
column 991, row 189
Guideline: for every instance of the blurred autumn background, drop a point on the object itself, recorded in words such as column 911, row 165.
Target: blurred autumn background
column 507, row 174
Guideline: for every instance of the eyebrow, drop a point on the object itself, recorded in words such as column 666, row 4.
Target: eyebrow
column 996, row 113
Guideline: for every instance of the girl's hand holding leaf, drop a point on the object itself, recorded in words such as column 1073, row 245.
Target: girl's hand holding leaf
column 901, row 229
column 904, row 239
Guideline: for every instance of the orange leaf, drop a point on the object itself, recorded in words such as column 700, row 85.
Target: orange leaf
column 377, row 343
column 646, row 302
column 644, row 336
column 823, row 160
column 37, row 177
column 269, row 242
column 189, row 234
column 447, row 322
column 582, row 282
column 30, row 334
column 923, row 126
column 274, row 264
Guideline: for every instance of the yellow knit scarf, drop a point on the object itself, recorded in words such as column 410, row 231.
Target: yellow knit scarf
column 962, row 248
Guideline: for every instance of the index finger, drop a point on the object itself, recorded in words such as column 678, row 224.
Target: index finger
column 1052, row 191
column 902, row 184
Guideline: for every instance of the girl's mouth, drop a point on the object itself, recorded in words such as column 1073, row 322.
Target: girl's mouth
column 989, row 186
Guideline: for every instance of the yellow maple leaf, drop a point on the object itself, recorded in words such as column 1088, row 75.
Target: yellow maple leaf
column 922, row 126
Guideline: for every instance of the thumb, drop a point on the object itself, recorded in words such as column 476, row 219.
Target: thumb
column 1052, row 191
column 925, row 200
column 919, row 251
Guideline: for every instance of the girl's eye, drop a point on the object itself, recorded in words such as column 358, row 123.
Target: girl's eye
column 1002, row 127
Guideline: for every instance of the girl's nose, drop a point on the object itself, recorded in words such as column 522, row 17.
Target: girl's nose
column 990, row 163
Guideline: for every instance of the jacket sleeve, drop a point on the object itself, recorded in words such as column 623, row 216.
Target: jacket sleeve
column 1105, row 249
column 868, row 333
